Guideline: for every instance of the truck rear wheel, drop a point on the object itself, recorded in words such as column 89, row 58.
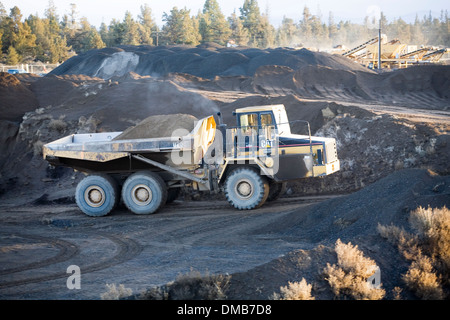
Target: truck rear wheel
column 246, row 189
column 96, row 195
column 144, row 192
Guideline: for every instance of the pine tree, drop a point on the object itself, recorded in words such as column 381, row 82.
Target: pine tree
column 51, row 43
column 105, row 35
column 3, row 12
column 266, row 33
column 238, row 33
column 18, row 34
column 306, row 34
column 332, row 27
column 88, row 37
column 180, row 28
column 3, row 16
column 12, row 57
column 147, row 27
column 251, row 19
column 287, row 32
column 212, row 23
column 130, row 30
column 116, row 33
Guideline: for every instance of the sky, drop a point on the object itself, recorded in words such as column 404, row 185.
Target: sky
column 98, row 11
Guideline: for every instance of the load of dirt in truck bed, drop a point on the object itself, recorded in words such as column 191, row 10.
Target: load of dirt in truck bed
column 159, row 126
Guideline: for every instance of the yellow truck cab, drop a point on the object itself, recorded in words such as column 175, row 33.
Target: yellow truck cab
column 295, row 156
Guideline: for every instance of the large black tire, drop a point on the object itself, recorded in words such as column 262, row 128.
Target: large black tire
column 97, row 195
column 276, row 190
column 144, row 193
column 246, row 189
column 173, row 194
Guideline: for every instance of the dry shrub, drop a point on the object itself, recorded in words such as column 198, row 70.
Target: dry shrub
column 349, row 278
column 421, row 279
column 397, row 293
column 433, row 225
column 154, row 293
column 295, row 291
column 116, row 293
column 428, row 249
column 57, row 125
column 190, row 286
column 195, row 286
column 407, row 243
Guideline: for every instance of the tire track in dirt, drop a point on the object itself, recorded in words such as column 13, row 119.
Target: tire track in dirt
column 127, row 249
column 66, row 251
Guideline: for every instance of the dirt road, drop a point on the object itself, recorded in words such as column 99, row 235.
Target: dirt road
column 39, row 243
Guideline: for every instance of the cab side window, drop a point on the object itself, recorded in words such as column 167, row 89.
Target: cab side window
column 248, row 122
column 266, row 120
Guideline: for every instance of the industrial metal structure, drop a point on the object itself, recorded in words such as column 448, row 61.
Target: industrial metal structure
column 393, row 54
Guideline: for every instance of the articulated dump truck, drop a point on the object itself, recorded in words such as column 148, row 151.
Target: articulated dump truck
column 250, row 162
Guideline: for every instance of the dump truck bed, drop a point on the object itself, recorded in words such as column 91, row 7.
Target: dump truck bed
column 103, row 148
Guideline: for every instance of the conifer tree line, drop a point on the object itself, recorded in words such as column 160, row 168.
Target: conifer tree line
column 53, row 38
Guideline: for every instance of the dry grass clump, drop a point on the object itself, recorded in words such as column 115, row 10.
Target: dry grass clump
column 422, row 279
column 433, row 226
column 191, row 286
column 349, row 278
column 57, row 125
column 428, row 249
column 295, row 291
column 116, row 293
column 195, row 286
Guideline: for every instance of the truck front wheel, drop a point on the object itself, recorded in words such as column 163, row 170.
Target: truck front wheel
column 246, row 189
column 144, row 193
column 96, row 195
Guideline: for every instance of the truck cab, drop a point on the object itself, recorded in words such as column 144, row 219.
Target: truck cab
column 296, row 156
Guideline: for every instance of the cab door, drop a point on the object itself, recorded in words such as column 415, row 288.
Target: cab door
column 267, row 134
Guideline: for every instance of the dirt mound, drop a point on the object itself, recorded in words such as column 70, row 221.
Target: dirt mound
column 206, row 61
column 425, row 84
column 159, row 126
column 131, row 98
column 355, row 216
column 53, row 90
column 419, row 87
column 16, row 99
column 278, row 71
